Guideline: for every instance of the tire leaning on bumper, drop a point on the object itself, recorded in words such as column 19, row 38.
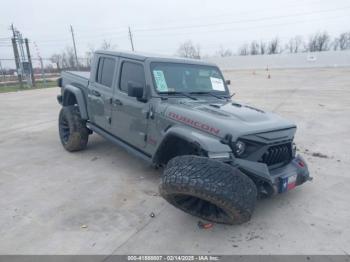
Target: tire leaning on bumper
column 208, row 189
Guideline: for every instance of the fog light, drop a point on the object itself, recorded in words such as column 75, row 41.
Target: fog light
column 239, row 148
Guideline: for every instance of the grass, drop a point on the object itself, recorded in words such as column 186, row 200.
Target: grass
column 15, row 88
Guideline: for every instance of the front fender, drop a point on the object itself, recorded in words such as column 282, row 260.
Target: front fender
column 210, row 144
column 79, row 96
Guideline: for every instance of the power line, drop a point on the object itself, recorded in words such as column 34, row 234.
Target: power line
column 104, row 30
column 194, row 18
column 49, row 40
column 240, row 21
column 227, row 29
column 243, row 28
column 208, row 45
column 239, row 28
column 54, row 41
column 199, row 28
column 120, row 32
column 142, row 31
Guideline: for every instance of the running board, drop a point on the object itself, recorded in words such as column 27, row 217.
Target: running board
column 119, row 142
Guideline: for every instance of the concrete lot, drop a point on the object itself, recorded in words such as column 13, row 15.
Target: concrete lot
column 98, row 201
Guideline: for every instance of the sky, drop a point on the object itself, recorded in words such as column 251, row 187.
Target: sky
column 160, row 26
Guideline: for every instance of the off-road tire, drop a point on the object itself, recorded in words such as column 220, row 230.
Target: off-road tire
column 73, row 132
column 208, row 189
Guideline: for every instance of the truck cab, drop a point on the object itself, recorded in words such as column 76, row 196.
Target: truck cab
column 109, row 105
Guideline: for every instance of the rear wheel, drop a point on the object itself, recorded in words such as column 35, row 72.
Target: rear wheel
column 209, row 189
column 73, row 132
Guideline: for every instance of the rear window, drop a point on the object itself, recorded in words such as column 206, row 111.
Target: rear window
column 105, row 71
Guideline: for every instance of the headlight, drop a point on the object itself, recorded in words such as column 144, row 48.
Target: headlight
column 239, row 148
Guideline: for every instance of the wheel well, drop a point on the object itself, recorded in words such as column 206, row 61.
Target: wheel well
column 69, row 99
column 175, row 146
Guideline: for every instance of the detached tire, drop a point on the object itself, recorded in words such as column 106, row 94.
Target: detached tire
column 209, row 189
column 73, row 132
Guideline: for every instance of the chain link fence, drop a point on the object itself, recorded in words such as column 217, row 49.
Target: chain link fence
column 45, row 72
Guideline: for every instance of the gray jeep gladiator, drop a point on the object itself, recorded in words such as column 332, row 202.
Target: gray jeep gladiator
column 218, row 156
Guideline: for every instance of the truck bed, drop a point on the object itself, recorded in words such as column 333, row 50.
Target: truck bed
column 75, row 78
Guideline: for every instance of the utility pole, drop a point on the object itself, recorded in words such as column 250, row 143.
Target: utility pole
column 131, row 40
column 23, row 59
column 13, row 31
column 30, row 62
column 75, row 47
column 15, row 52
column 20, row 45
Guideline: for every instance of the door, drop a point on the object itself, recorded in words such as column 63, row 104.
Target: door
column 129, row 115
column 100, row 92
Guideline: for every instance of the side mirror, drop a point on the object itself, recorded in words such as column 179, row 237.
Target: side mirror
column 228, row 82
column 135, row 90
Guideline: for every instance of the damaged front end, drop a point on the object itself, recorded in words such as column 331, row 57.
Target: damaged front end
column 278, row 180
column 270, row 160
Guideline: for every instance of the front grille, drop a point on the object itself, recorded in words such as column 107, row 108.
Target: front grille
column 277, row 154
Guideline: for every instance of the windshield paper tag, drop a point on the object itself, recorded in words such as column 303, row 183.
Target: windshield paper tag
column 217, row 84
column 160, row 80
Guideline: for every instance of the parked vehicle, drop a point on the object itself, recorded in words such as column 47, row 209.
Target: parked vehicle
column 218, row 155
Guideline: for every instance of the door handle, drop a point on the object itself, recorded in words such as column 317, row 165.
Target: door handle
column 117, row 102
column 96, row 93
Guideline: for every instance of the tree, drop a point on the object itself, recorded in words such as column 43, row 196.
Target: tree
column 57, row 59
column 294, row 44
column 318, row 42
column 262, row 48
column 66, row 59
column 244, row 50
column 254, row 48
column 107, row 45
column 188, row 50
column 89, row 55
column 224, row 52
column 273, row 46
column 342, row 42
column 70, row 57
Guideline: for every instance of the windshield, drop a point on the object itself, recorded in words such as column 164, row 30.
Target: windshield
column 187, row 78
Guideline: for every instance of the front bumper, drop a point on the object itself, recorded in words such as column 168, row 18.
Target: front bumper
column 278, row 180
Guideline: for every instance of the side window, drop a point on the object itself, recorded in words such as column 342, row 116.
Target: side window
column 105, row 71
column 131, row 72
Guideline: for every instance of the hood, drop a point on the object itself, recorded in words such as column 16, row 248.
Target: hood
column 222, row 118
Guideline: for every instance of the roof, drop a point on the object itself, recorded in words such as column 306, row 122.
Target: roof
column 154, row 57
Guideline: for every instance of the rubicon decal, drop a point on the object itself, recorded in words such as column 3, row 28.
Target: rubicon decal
column 194, row 123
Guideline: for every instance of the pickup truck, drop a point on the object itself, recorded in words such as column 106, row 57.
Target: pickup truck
column 218, row 156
